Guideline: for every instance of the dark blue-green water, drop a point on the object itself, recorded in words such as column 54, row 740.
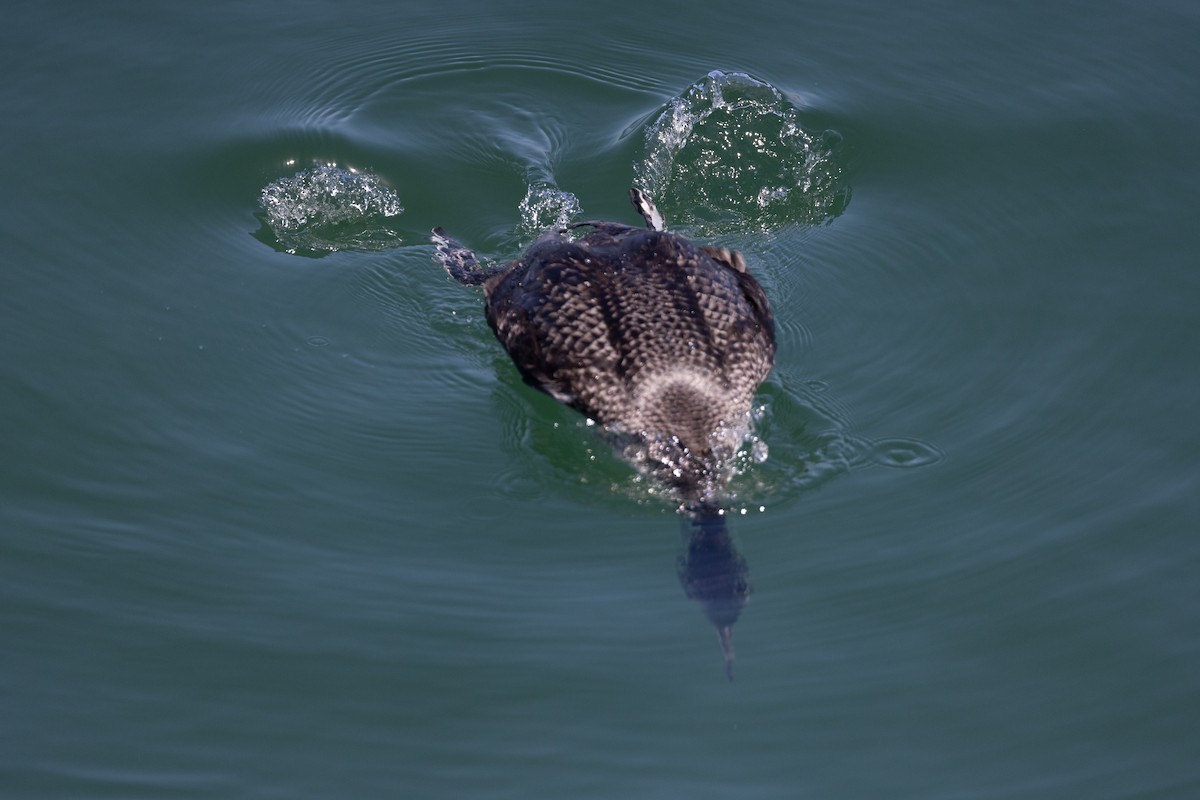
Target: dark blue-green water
column 278, row 518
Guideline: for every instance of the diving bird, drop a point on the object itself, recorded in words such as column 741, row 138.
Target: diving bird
column 661, row 341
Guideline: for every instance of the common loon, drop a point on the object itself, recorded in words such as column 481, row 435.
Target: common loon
column 661, row 341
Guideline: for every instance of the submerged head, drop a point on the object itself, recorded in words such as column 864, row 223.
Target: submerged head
column 714, row 574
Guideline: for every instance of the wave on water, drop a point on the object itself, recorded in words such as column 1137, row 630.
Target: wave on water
column 812, row 441
column 730, row 154
column 727, row 155
column 326, row 208
column 795, row 440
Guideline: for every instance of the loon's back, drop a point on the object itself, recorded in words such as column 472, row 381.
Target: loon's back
column 657, row 339
column 638, row 329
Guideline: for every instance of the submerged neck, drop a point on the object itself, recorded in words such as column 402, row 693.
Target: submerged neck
column 714, row 573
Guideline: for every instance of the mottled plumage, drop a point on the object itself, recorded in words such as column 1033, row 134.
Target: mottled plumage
column 662, row 341
column 640, row 330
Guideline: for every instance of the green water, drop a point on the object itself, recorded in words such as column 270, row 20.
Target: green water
column 287, row 524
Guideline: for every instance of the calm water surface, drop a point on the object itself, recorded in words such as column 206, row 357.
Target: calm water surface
column 279, row 519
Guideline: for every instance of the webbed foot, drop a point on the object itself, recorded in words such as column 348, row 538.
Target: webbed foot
column 645, row 206
column 459, row 262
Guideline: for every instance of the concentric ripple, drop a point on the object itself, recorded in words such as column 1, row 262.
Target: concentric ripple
column 730, row 154
column 326, row 208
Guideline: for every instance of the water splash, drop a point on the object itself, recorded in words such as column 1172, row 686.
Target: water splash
column 326, row 208
column 813, row 442
column 730, row 154
column 546, row 207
